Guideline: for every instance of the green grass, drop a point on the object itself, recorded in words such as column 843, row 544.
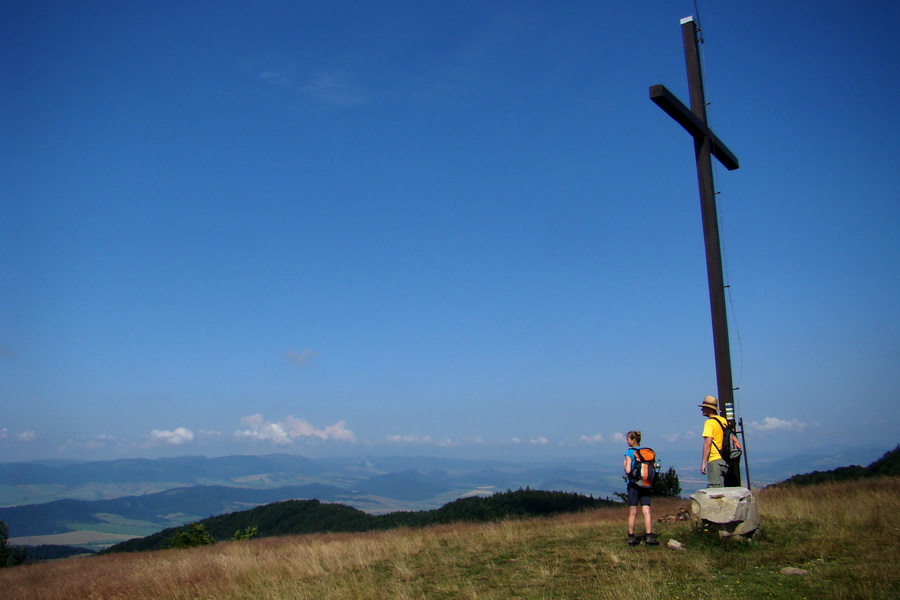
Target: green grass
column 844, row 535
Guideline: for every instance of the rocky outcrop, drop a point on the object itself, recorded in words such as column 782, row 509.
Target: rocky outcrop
column 729, row 511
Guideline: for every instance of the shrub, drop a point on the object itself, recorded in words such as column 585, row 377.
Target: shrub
column 667, row 484
column 192, row 535
column 9, row 555
column 248, row 533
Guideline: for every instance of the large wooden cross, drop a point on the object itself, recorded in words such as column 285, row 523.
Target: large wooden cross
column 706, row 144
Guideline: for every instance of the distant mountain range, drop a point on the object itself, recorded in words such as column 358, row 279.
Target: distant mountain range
column 135, row 514
column 96, row 504
column 295, row 517
column 100, row 503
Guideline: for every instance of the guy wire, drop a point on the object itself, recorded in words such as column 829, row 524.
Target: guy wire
column 733, row 320
column 699, row 29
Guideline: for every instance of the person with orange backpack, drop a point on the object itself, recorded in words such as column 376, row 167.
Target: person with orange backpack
column 640, row 471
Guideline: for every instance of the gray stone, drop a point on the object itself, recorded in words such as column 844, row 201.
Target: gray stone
column 730, row 511
column 793, row 571
column 675, row 545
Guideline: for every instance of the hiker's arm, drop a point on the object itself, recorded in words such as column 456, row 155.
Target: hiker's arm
column 626, row 464
column 707, row 444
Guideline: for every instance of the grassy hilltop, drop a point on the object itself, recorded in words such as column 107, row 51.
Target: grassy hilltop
column 844, row 534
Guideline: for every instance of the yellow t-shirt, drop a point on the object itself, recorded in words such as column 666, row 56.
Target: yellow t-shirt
column 711, row 429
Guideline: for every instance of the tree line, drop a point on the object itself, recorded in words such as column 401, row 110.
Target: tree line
column 293, row 517
column 886, row 466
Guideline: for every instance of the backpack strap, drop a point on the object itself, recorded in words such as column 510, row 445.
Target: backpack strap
column 716, row 419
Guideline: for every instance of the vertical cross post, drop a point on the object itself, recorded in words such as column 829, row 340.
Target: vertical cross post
column 706, row 145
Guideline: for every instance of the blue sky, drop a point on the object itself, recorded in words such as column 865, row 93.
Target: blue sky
column 439, row 228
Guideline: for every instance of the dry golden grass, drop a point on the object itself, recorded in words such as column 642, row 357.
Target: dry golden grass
column 843, row 534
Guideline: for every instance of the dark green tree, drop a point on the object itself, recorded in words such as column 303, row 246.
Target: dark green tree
column 192, row 535
column 248, row 533
column 9, row 555
column 667, row 484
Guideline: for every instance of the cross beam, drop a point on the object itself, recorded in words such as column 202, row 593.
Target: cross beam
column 706, row 144
column 664, row 99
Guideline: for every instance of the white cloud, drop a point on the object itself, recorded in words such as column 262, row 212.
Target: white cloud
column 88, row 442
column 775, row 424
column 415, row 439
column 671, row 437
column 593, row 439
column 618, row 437
column 408, row 439
column 176, row 437
column 25, row 436
column 539, row 441
column 287, row 431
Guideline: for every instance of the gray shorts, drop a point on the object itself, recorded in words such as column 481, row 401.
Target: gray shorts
column 638, row 495
column 715, row 473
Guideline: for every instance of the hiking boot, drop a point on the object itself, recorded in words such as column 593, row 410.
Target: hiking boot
column 633, row 541
column 651, row 540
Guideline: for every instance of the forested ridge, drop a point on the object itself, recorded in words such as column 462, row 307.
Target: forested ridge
column 886, row 466
column 293, row 517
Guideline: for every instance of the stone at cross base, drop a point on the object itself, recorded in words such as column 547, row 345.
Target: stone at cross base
column 731, row 511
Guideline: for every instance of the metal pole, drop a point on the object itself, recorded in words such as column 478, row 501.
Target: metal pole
column 746, row 460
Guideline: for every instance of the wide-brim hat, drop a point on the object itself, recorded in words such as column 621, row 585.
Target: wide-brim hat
column 710, row 402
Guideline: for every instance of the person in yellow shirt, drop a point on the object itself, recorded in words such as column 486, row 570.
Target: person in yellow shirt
column 711, row 461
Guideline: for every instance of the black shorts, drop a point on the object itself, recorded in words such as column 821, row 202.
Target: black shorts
column 638, row 495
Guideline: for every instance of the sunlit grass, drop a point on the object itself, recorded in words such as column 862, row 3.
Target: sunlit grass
column 844, row 535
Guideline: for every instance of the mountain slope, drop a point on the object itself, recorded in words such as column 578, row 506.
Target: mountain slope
column 311, row 516
column 887, row 465
column 163, row 509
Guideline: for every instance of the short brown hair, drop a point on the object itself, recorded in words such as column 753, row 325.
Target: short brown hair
column 634, row 435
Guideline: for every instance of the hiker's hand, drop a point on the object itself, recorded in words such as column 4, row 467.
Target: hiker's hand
column 703, row 468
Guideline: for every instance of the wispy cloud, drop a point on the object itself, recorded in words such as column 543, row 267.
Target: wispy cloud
column 322, row 87
column 776, row 424
column 334, row 88
column 24, row 436
column 286, row 431
column 99, row 441
column 618, row 437
column 539, row 441
column 176, row 437
column 275, row 78
column 300, row 359
column 591, row 439
column 420, row 440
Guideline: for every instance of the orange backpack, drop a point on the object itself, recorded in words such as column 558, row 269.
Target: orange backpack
column 644, row 467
